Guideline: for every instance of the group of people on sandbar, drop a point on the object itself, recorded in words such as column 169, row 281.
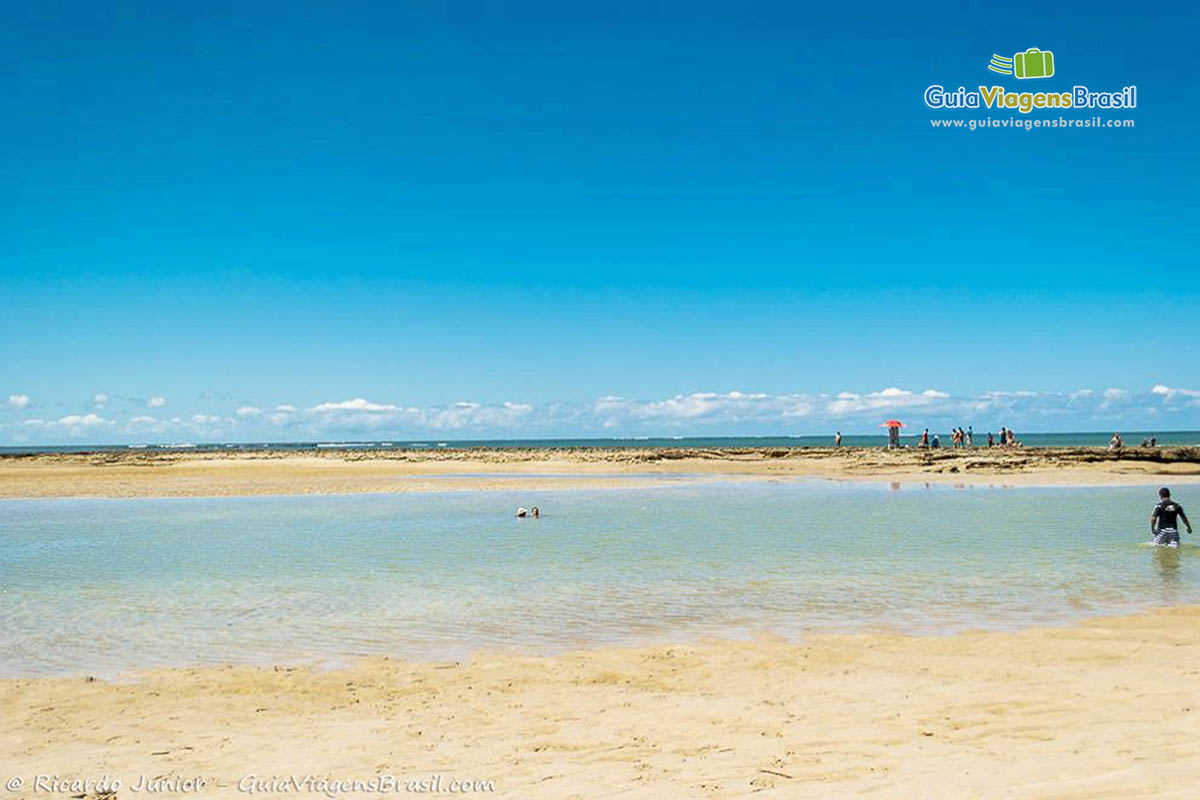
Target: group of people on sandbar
column 1116, row 442
column 1007, row 438
column 966, row 438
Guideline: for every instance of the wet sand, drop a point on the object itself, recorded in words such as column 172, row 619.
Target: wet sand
column 174, row 474
column 1108, row 708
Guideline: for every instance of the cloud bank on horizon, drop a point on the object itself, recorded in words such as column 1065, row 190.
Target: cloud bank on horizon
column 1160, row 407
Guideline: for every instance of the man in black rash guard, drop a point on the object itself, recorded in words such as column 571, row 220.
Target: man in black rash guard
column 1165, row 520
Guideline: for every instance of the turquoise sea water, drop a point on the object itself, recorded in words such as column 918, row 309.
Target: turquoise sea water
column 103, row 586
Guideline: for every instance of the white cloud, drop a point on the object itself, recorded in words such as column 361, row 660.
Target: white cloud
column 18, row 400
column 1113, row 399
column 1168, row 391
column 701, row 407
column 891, row 399
column 89, row 420
column 284, row 414
column 70, row 425
column 100, row 400
column 357, row 404
column 1036, row 410
column 716, row 413
column 199, row 427
column 1174, row 399
column 156, row 402
column 473, row 415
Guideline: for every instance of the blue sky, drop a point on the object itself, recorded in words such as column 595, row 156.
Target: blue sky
column 492, row 219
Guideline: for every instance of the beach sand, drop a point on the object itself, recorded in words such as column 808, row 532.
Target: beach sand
column 175, row 474
column 1107, row 708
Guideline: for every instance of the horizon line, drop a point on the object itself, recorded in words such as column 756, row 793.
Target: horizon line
column 416, row 440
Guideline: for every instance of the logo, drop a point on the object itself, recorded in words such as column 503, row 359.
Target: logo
column 1001, row 64
column 1033, row 63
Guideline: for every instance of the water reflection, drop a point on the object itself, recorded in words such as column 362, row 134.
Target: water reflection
column 1166, row 559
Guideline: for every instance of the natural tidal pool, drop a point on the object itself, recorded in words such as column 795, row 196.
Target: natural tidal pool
column 104, row 586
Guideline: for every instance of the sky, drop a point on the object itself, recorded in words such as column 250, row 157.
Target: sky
column 294, row 221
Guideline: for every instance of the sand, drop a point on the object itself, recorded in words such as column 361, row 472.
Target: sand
column 168, row 474
column 1108, row 708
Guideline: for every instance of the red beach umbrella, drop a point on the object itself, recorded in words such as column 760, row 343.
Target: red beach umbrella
column 893, row 426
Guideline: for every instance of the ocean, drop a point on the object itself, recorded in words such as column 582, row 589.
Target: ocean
column 1079, row 439
column 100, row 587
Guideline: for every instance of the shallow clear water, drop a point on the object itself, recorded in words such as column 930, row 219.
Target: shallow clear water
column 102, row 586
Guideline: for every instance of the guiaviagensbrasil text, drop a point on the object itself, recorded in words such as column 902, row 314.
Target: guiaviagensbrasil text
column 998, row 98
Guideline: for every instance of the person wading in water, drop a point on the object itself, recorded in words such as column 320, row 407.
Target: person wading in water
column 1164, row 520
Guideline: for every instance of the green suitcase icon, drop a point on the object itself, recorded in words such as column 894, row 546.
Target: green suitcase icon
column 1033, row 63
